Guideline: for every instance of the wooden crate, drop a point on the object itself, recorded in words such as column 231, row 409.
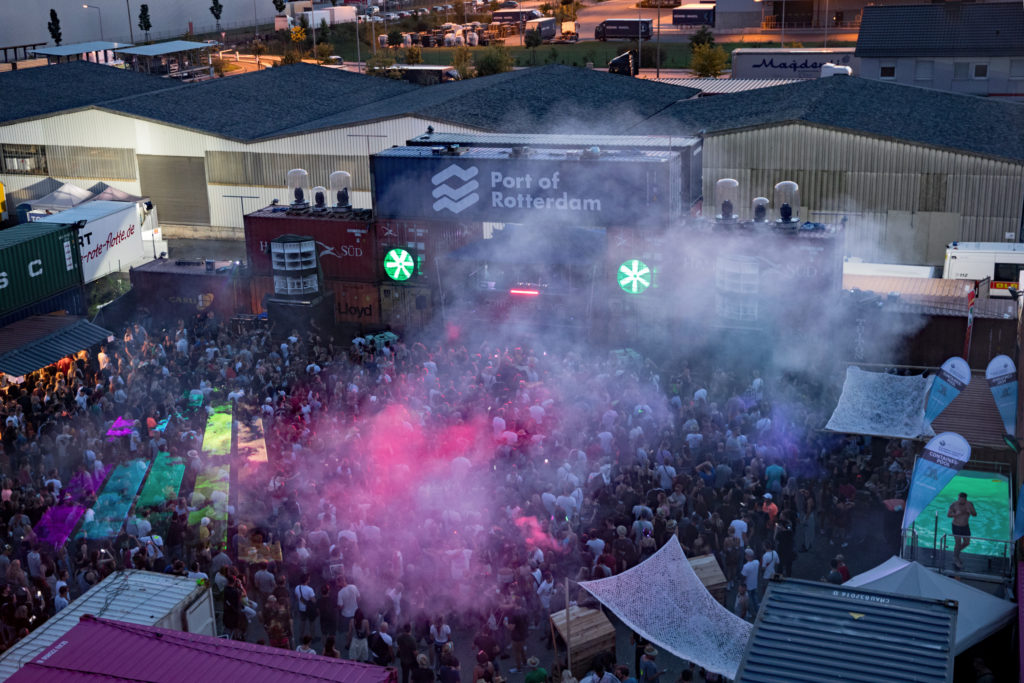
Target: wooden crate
column 710, row 574
column 591, row 634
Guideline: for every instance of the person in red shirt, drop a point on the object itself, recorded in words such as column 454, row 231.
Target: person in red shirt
column 771, row 509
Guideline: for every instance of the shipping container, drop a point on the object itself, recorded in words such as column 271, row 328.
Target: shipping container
column 132, row 596
column 582, row 188
column 428, row 240
column 546, row 27
column 406, row 308
column 623, row 29
column 181, row 289
column 71, row 301
column 36, row 262
column 346, row 248
column 515, row 16
column 806, row 62
column 355, row 302
column 110, row 240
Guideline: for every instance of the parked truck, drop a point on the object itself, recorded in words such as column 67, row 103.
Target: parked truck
column 515, row 16
column 695, row 14
column 623, row 29
column 546, row 27
column 805, row 63
column 1003, row 262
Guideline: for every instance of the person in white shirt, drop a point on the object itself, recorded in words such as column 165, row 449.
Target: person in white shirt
column 750, row 572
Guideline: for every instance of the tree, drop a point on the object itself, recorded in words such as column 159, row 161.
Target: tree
column 217, row 9
column 462, row 60
column 257, row 48
column 707, row 61
column 334, row 3
column 495, row 59
column 380, row 65
column 703, row 36
column 144, row 22
column 394, row 38
column 413, row 55
column 323, row 52
column 533, row 40
column 298, row 34
column 291, row 57
column 460, row 11
column 279, row 5
column 54, row 26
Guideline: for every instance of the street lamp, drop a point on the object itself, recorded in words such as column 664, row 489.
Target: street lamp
column 131, row 31
column 101, row 16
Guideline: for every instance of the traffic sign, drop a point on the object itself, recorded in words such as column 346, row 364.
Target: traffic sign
column 399, row 264
column 634, row 276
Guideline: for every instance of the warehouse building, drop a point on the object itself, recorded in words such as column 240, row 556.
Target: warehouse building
column 977, row 49
column 209, row 152
column 910, row 169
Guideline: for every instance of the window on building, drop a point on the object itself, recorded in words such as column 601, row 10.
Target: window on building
column 961, row 70
column 1017, row 68
column 30, row 159
column 981, row 70
column 887, row 71
column 924, row 70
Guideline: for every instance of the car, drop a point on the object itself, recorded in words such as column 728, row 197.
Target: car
column 449, row 8
column 421, row 12
column 391, row 16
column 404, row 15
column 509, row 4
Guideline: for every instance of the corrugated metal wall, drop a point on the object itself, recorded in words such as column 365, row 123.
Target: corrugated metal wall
column 875, row 183
column 320, row 152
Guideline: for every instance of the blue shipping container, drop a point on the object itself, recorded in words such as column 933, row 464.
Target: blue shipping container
column 71, row 300
column 506, row 185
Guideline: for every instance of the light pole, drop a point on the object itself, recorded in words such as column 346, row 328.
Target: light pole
column 782, row 41
column 828, row 20
column 101, row 16
column 131, row 33
column 657, row 63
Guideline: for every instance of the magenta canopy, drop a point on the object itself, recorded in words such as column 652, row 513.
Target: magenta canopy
column 106, row 650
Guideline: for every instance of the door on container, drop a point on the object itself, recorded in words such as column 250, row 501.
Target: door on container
column 177, row 186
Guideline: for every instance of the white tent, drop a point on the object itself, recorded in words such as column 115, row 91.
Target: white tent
column 65, row 197
column 979, row 615
column 663, row 600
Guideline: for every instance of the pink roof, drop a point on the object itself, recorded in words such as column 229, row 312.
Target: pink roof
column 107, row 650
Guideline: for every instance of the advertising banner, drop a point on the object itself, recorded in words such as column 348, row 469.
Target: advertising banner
column 943, row 457
column 1001, row 374
column 953, row 377
column 1018, row 521
column 483, row 184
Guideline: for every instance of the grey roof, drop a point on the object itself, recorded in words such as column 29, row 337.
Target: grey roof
column 45, row 90
column 814, row 631
column 542, row 140
column 264, row 103
column 961, row 122
column 34, row 343
column 169, row 48
column 549, row 99
column 78, row 48
column 948, row 29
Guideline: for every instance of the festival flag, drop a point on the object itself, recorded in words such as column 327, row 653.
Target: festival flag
column 953, row 377
column 1001, row 374
column 943, row 457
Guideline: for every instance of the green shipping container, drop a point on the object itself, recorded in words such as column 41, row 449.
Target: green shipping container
column 37, row 260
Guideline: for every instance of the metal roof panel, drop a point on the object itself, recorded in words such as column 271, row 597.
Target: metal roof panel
column 34, row 343
column 811, row 631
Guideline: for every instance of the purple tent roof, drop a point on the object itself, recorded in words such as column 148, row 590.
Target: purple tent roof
column 107, row 650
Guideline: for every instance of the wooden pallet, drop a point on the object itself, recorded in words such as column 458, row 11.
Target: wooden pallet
column 591, row 633
column 710, row 574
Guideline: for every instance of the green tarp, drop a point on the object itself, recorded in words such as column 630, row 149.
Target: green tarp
column 115, row 500
column 217, row 438
column 164, row 480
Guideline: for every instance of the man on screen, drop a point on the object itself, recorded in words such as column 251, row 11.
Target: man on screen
column 961, row 511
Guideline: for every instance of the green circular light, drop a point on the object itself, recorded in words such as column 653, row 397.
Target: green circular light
column 399, row 264
column 634, row 276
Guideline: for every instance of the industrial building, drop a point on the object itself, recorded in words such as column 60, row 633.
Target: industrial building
column 972, row 48
column 209, row 152
column 910, row 169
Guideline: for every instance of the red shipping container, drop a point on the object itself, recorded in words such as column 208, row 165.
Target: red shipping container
column 354, row 302
column 346, row 247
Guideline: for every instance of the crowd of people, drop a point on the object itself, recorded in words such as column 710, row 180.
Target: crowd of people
column 415, row 493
